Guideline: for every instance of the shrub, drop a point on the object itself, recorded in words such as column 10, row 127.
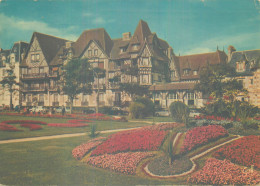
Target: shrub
column 93, row 130
column 149, row 105
column 180, row 112
column 137, row 110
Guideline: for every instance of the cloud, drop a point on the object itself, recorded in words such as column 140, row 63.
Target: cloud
column 244, row 41
column 99, row 20
column 13, row 29
column 87, row 14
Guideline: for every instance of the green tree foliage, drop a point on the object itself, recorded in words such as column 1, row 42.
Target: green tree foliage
column 98, row 73
column 167, row 147
column 134, row 89
column 180, row 112
column 136, row 110
column 77, row 76
column 9, row 83
column 149, row 105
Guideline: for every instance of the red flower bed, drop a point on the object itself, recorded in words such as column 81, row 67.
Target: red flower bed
column 201, row 135
column 24, row 121
column 78, row 121
column 67, row 125
column 133, row 140
column 31, row 126
column 217, row 172
column 80, row 151
column 244, row 151
column 121, row 162
column 6, row 127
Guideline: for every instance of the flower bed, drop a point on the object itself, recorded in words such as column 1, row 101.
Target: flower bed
column 216, row 118
column 121, row 162
column 133, row 140
column 6, row 127
column 165, row 126
column 244, row 151
column 218, row 172
column 24, row 121
column 201, row 135
column 31, row 126
column 80, row 151
column 71, row 125
column 78, row 121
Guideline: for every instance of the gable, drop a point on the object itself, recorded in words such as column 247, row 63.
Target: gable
column 35, row 57
column 93, row 50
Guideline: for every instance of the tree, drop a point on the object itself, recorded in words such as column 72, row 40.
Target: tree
column 134, row 89
column 98, row 73
column 77, row 78
column 9, row 83
column 180, row 112
column 220, row 84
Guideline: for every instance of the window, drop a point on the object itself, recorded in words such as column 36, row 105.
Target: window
column 190, row 95
column 89, row 53
column 122, row 50
column 251, row 81
column 33, row 57
column 96, row 52
column 145, row 61
column 84, row 98
column 157, row 95
column 195, row 72
column 41, row 70
column 37, row 57
column 240, row 66
column 173, row 95
column 145, row 78
column 135, row 46
column 41, row 98
column 29, row 70
column 111, row 74
column 55, row 97
column 186, row 72
column 173, row 74
column 29, row 98
column 101, row 97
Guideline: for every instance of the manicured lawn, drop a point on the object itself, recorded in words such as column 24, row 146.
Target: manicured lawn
column 49, row 162
column 46, row 131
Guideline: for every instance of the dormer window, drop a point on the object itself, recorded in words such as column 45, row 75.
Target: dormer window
column 186, row 71
column 35, row 57
column 241, row 66
column 135, row 46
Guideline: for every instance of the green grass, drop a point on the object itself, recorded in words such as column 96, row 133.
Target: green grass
column 49, row 162
column 47, row 131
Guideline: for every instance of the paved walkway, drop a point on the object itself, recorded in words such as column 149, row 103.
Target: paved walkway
column 59, row 136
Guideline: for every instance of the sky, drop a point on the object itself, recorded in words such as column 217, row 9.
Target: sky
column 189, row 26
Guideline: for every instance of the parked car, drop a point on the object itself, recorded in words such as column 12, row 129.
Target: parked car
column 194, row 113
column 89, row 111
column 37, row 109
column 59, row 110
column 118, row 111
column 162, row 112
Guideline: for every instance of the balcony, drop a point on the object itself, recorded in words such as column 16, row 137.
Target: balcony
column 34, row 89
column 84, row 103
column 114, row 85
column 34, row 76
column 53, row 88
column 55, row 104
column 53, row 74
column 101, row 103
column 101, row 86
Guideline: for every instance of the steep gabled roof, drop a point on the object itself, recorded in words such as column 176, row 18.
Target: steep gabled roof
column 19, row 48
column 198, row 61
column 50, row 45
column 99, row 35
column 142, row 31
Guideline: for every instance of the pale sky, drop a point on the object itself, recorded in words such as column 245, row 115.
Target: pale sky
column 189, row 26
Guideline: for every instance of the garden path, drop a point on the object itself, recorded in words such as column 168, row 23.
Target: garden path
column 59, row 136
